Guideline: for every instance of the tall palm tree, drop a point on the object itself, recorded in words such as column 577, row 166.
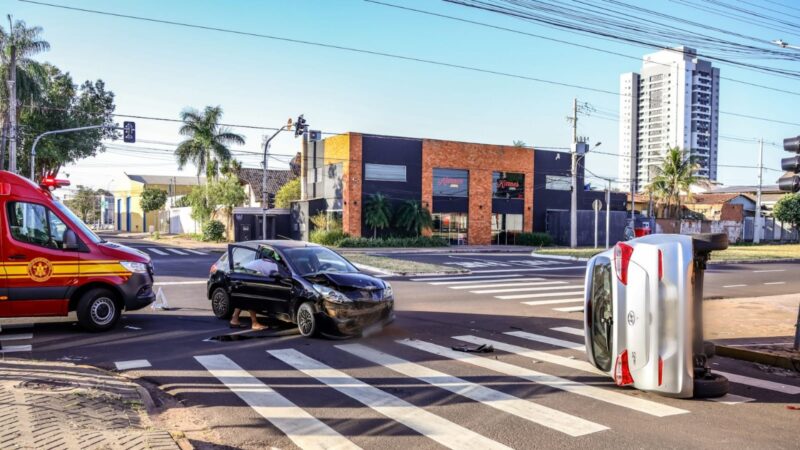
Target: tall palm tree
column 17, row 46
column 674, row 177
column 414, row 217
column 377, row 212
column 207, row 142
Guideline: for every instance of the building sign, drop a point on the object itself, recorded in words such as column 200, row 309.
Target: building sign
column 558, row 183
column 508, row 185
column 450, row 183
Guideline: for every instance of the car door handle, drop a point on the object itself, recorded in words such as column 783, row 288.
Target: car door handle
column 18, row 256
column 236, row 284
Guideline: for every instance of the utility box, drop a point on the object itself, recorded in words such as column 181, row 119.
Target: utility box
column 247, row 224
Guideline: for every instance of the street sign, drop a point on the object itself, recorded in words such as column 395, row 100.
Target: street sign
column 129, row 132
column 314, row 135
column 597, row 205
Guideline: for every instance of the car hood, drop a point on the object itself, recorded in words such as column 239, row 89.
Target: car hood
column 123, row 252
column 347, row 280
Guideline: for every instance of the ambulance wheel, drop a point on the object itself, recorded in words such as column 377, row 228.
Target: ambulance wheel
column 221, row 304
column 709, row 242
column 711, row 385
column 98, row 310
column 307, row 320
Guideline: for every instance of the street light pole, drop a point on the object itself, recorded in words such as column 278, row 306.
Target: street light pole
column 264, row 192
column 573, row 209
column 758, row 229
column 48, row 133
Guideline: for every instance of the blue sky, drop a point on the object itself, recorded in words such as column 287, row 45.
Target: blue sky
column 157, row 70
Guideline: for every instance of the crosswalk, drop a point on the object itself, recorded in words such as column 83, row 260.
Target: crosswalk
column 528, row 289
column 171, row 251
column 16, row 339
column 437, row 366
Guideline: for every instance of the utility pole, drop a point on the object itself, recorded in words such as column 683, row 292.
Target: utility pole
column 758, row 228
column 573, row 210
column 264, row 194
column 12, row 102
column 608, row 212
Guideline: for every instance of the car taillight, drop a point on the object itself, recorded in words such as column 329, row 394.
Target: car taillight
column 622, row 373
column 622, row 257
column 660, row 370
column 660, row 265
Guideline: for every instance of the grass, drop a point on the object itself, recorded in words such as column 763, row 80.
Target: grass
column 399, row 266
column 748, row 252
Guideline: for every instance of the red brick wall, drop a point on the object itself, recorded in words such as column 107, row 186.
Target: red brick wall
column 481, row 161
column 351, row 216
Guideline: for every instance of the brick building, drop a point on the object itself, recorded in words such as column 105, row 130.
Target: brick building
column 477, row 193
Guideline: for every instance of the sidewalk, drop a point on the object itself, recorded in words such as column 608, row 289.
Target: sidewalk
column 64, row 406
column 451, row 249
column 759, row 329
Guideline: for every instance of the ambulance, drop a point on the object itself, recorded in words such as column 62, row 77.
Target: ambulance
column 53, row 264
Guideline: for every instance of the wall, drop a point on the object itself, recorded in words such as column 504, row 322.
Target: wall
column 732, row 228
column 346, row 149
column 558, row 226
column 134, row 191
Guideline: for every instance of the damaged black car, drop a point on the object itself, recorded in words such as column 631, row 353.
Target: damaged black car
column 302, row 283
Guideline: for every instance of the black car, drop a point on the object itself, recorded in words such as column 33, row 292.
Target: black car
column 313, row 286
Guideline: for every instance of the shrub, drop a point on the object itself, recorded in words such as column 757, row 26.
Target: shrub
column 214, row 230
column 421, row 241
column 323, row 221
column 530, row 239
column 332, row 238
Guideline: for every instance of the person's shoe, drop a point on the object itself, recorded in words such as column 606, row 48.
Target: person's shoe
column 237, row 325
column 258, row 327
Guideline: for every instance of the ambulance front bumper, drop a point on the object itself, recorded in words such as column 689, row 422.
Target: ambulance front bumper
column 138, row 291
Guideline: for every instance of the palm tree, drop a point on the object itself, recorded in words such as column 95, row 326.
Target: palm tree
column 377, row 212
column 412, row 216
column 207, row 143
column 674, row 177
column 17, row 45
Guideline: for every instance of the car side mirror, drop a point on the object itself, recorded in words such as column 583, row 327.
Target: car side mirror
column 274, row 274
column 70, row 240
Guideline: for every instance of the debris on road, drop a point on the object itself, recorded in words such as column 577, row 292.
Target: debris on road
column 483, row 348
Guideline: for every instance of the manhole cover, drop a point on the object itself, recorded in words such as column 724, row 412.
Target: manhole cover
column 48, row 385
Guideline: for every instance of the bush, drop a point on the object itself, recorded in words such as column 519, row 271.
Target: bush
column 421, row 241
column 331, row 238
column 529, row 239
column 214, row 230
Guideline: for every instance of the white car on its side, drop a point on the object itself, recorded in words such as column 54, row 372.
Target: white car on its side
column 643, row 314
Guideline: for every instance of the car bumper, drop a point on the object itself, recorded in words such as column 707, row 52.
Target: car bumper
column 137, row 292
column 355, row 318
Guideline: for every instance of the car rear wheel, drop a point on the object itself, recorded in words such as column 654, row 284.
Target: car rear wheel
column 307, row 320
column 710, row 385
column 98, row 310
column 709, row 242
column 221, row 304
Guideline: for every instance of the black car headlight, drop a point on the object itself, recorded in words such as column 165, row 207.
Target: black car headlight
column 331, row 295
column 387, row 291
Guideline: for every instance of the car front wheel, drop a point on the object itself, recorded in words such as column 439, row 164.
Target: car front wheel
column 307, row 320
column 221, row 304
column 710, row 385
column 98, row 310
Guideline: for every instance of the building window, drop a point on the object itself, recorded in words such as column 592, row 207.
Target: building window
column 508, row 185
column 450, row 183
column 451, row 226
column 384, row 172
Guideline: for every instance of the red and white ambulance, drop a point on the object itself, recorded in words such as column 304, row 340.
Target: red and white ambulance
column 51, row 263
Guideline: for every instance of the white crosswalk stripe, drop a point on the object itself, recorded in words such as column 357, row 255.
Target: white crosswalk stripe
column 176, row 251
column 463, row 277
column 493, row 284
column 302, row 428
column 548, row 417
column 16, row 337
column 569, row 309
column 520, row 269
column 16, row 334
column 549, row 294
column 434, row 427
column 157, row 251
column 196, row 252
column 552, row 302
column 547, row 340
column 525, row 289
column 569, row 330
column 604, row 395
column 15, row 349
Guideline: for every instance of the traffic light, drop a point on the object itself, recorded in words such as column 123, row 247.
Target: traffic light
column 791, row 182
column 129, row 132
column 270, row 200
column 300, row 126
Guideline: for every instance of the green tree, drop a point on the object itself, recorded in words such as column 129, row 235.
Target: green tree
column 288, row 193
column 520, row 144
column 672, row 178
column 153, row 199
column 84, row 203
column 17, row 46
column 787, row 210
column 377, row 212
column 412, row 216
column 198, row 200
column 227, row 193
column 207, row 141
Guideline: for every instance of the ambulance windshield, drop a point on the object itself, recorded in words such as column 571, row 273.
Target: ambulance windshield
column 78, row 222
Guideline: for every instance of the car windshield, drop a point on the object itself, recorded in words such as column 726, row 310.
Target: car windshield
column 78, row 222
column 601, row 309
column 312, row 260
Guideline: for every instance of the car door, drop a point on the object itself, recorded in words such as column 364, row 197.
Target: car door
column 39, row 270
column 249, row 288
column 280, row 287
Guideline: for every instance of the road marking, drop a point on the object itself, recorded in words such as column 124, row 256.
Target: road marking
column 178, row 283
column 430, row 425
column 463, row 277
column 529, row 270
column 546, row 340
column 195, row 252
column 526, row 289
column 570, row 330
column 770, row 270
column 133, row 364
column 302, row 428
column 16, row 349
column 763, row 384
column 608, row 396
column 548, row 294
column 16, row 337
column 734, row 285
column 775, row 282
column 157, row 251
column 731, row 399
column 176, row 251
column 478, row 282
column 569, row 309
column 522, row 282
column 548, row 417
column 553, row 302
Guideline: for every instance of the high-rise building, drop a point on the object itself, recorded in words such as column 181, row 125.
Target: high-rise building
column 673, row 102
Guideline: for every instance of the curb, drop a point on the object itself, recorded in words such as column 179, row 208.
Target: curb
column 443, row 250
column 752, row 261
column 406, row 274
column 759, row 357
column 559, row 257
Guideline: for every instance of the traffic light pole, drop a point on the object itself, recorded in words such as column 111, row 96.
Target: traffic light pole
column 264, row 193
column 48, row 133
column 758, row 228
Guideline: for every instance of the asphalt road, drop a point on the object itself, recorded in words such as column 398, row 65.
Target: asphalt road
column 404, row 388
